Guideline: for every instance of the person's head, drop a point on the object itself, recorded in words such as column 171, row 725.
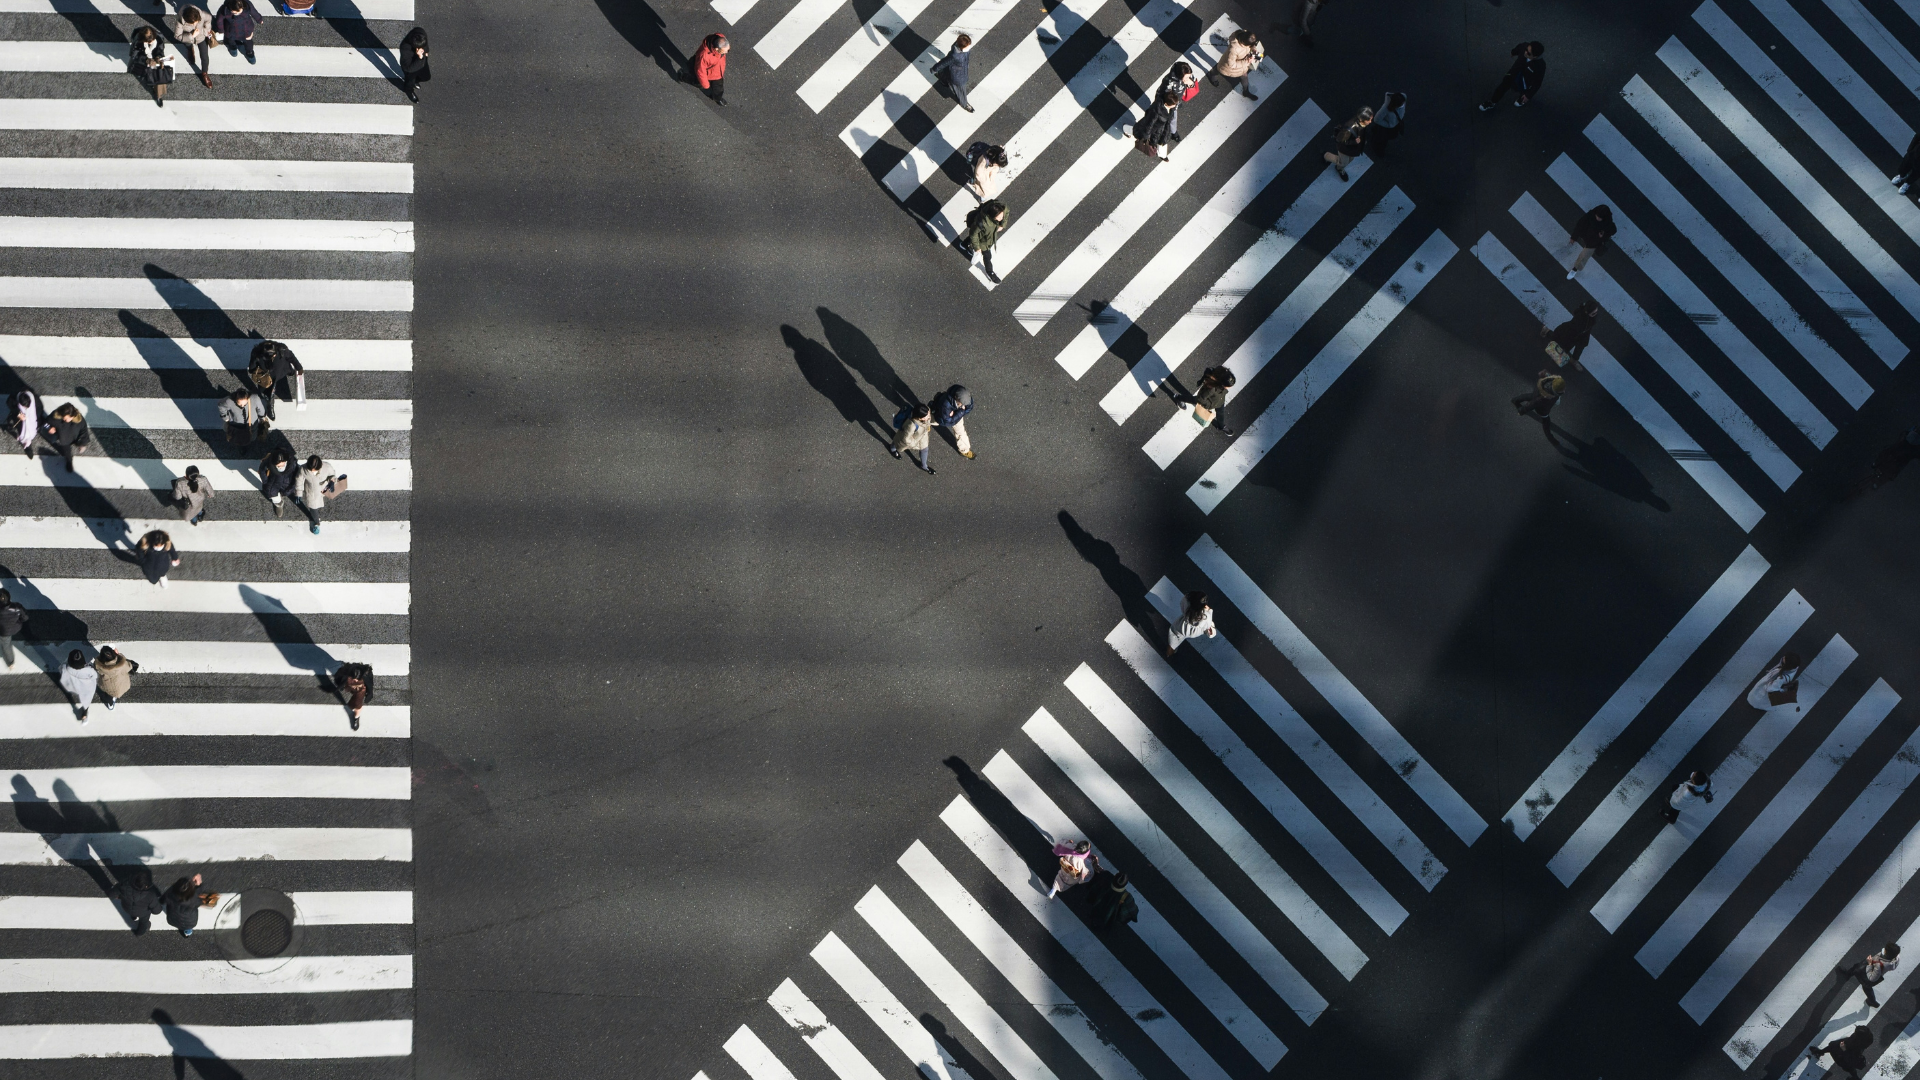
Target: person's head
column 76, row 659
column 1180, row 71
column 193, row 471
column 1082, row 847
column 1534, row 48
column 190, row 14
column 1363, row 117
column 963, row 43
column 1196, row 602
column 22, row 399
column 416, row 38
column 1396, row 100
column 1119, row 881
column 156, row 539
column 1697, row 778
column 718, row 43
column 1890, row 950
column 1603, row 212
column 1555, row 384
column 1861, row 1038
column 108, row 655
column 921, row 412
column 183, row 888
column 995, row 209
column 1170, row 99
column 142, row 877
column 314, row 463
column 1789, row 661
column 236, row 6
column 961, row 396
column 1219, row 376
column 243, row 395
column 67, row 411
column 1247, row 38
column 1588, row 309
column 144, row 35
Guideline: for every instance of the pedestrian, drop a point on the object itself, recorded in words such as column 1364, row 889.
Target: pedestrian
column 312, row 486
column 1182, row 82
column 297, row 7
column 913, row 431
column 1304, row 13
column 413, row 63
column 1909, row 165
column 1389, row 122
column 157, row 556
column 192, row 492
column 1529, row 70
column 23, row 419
column 1196, row 619
column 1157, row 130
column 1779, row 685
column 193, row 29
column 79, row 680
column 1349, row 141
column 950, row 408
column 1567, row 341
column 1872, row 971
column 984, row 163
column 1113, row 905
column 1077, row 863
column 1697, row 785
column 1209, row 399
column 13, row 623
column 183, row 903
column 148, row 60
column 985, row 223
column 354, row 684
column 139, row 900
column 278, row 478
column 1547, row 389
column 710, row 66
column 233, row 26
column 244, row 416
column 66, row 431
column 1849, row 1053
column 116, row 674
column 1244, row 53
column 1591, row 233
column 952, row 68
column 277, row 373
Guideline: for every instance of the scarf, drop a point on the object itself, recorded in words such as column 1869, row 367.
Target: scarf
column 29, row 422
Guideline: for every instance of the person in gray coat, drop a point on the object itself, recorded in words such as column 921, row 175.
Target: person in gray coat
column 310, row 487
column 954, row 67
column 192, row 492
column 913, row 430
column 245, row 417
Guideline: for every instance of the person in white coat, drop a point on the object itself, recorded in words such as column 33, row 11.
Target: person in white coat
column 1196, row 618
column 1697, row 785
column 1779, row 686
column 311, row 489
column 79, row 680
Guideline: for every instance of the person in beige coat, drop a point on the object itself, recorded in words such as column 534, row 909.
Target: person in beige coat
column 116, row 674
column 914, row 434
column 193, row 29
column 310, row 487
column 1244, row 53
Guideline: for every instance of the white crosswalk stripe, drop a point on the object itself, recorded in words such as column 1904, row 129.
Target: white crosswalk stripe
column 401, row 10
column 254, row 719
column 207, row 294
column 206, row 234
column 211, row 174
column 227, row 597
column 285, row 117
column 100, row 913
column 205, row 354
column 281, row 536
column 110, row 57
column 157, row 474
column 256, row 1042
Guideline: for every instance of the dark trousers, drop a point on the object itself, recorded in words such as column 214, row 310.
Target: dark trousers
column 1539, row 405
column 1858, row 972
column 6, row 648
column 67, row 450
column 1911, row 163
column 282, row 390
column 1507, row 82
column 206, row 63
column 411, row 80
column 1219, row 416
column 717, row 90
column 959, row 92
column 244, row 48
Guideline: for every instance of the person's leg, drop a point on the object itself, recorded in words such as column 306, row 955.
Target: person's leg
column 246, row 50
column 960, row 94
column 1246, row 86
column 986, row 264
column 718, row 91
column 206, row 65
column 1581, row 259
column 67, row 452
column 960, row 440
column 1220, row 421
column 6, row 649
column 924, row 466
column 313, row 516
column 1500, row 91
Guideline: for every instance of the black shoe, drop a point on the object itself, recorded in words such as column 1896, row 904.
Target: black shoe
column 895, row 451
column 415, row 97
column 929, row 470
column 720, row 100
column 1227, row 431
column 991, row 276
column 354, row 721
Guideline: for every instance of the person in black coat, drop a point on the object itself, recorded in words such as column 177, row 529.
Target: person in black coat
column 1849, row 1053
column 139, row 900
column 13, row 623
column 1529, row 70
column 1210, row 395
column 1576, row 333
column 1591, row 232
column 277, row 479
column 272, row 367
column 66, row 431
column 1156, row 130
column 1113, row 905
column 182, row 905
column 413, row 62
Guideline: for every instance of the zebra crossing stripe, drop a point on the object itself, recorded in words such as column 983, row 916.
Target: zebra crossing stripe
column 209, row 294
column 895, row 1020
column 903, row 94
column 399, row 10
column 212, row 597
column 175, row 657
column 292, row 975
column 835, row 1050
column 145, row 783
column 188, row 414
column 254, row 1042
column 110, row 58
column 733, row 10
column 752, row 1055
column 204, row 174
column 203, row 354
column 801, row 22
column 1875, row 36
column 874, row 37
column 156, row 847
column 278, row 117
column 54, row 720
column 207, row 234
column 1839, row 74
column 101, row 913
column 157, row 474
column 90, row 534
column 1855, row 1010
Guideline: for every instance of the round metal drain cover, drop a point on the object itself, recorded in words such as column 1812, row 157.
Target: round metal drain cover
column 266, row 933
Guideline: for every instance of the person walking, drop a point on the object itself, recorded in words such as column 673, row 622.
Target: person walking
column 950, row 408
column 139, row 901
column 1077, row 863
column 1196, row 619
column 244, row 416
column 13, row 623
column 1591, row 233
column 913, row 432
column 23, row 419
column 710, row 67
column 1113, row 905
column 1153, row 135
column 311, row 487
column 1909, row 165
column 1547, row 389
column 1185, row 86
column 413, row 63
column 278, row 479
column 193, row 29
column 192, row 492
column 233, row 26
column 157, row 556
column 183, row 903
column 1872, row 971
column 1304, row 14
column 116, row 674
column 66, row 431
column 1779, row 685
column 1209, row 399
column 278, row 374
column 354, row 685
column 1849, row 1053
column 1567, row 341
column 147, row 59
column 1529, row 70
column 1244, row 53
column 1697, row 785
column 952, row 69
column 984, row 162
column 79, row 680
column 1349, row 141
column 985, row 223
column 1389, row 122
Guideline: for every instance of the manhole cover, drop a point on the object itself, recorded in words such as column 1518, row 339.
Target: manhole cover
column 266, row 933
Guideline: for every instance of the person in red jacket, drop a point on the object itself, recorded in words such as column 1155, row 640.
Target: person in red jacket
column 710, row 66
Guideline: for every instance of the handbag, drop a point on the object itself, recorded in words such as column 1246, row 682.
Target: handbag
column 1786, row 695
column 161, row 74
column 336, row 486
column 1202, row 415
column 209, row 899
column 1559, row 355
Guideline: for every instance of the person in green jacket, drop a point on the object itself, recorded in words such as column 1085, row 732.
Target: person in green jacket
column 985, row 223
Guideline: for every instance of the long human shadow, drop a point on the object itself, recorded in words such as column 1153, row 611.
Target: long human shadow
column 206, row 320
column 288, row 633
column 646, row 31
column 827, row 375
column 859, row 352
column 957, row 1053
column 86, row 835
column 1602, row 464
column 188, row 1047
column 1818, row 1017
column 180, row 378
column 46, row 622
column 1123, row 581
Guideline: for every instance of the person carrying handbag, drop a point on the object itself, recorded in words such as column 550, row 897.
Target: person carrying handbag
column 147, row 58
column 1244, row 53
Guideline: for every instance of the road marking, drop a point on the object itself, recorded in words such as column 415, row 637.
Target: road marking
column 207, row 234
column 397, row 10
column 283, row 117
column 204, row 354
column 203, row 414
column 231, row 294
column 158, row 474
column 204, row 174
column 156, row 847
column 746, row 1049
column 89, row 534
column 829, row 1042
column 132, row 719
column 144, row 783
column 1882, row 117
column 801, row 22
column 275, row 975
column 110, row 57
column 903, row 94
column 251, row 1042
column 874, row 37
column 221, row 657
column 212, row 597
column 895, row 1020
column 101, row 913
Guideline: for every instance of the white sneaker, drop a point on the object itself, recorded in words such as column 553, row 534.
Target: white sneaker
column 1570, row 274
column 163, row 581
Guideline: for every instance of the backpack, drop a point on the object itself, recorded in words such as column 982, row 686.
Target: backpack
column 364, row 671
column 260, row 365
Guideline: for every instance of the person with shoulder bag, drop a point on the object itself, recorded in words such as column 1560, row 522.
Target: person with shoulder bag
column 1566, row 341
column 183, row 903
column 22, row 422
column 116, row 674
column 312, row 486
column 277, row 373
column 913, row 432
column 354, row 684
column 193, row 29
column 1244, row 53
column 985, row 223
column 244, row 418
column 147, row 59
column 1209, row 399
column 192, row 492
column 985, row 162
column 1348, row 142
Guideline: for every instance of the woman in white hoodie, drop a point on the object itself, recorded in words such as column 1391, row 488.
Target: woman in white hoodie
column 79, row 680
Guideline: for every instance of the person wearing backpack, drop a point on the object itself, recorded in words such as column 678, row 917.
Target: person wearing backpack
column 1244, row 53
column 13, row 623
column 1209, row 399
column 116, row 674
column 985, row 223
column 274, row 369
column 985, row 162
column 192, row 493
column 353, row 683
column 954, row 67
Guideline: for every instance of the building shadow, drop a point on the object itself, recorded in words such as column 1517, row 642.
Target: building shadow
column 190, row 1049
column 830, row 378
column 1602, row 464
column 858, row 352
column 86, row 835
column 646, row 31
column 1123, row 581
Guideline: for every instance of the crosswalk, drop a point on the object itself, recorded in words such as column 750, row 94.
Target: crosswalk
column 1766, row 273
column 1271, row 850
column 231, row 756
column 1115, row 261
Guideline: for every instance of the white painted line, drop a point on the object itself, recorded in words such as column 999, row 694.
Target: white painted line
column 1173, row 864
column 206, row 354
column 1073, row 935
column 1612, row 718
column 1828, row 952
column 852, row 58
column 1876, row 37
column 1767, row 828
column 1152, row 928
column 143, row 783
column 801, row 22
column 87, row 534
column 903, row 94
column 1325, row 762
column 396, row 10
column 158, row 474
column 221, row 657
column 1898, row 1059
column 1853, row 1011
column 1747, row 281
column 1883, row 118
column 135, row 719
column 829, row 1042
column 1729, row 776
column 733, row 10
column 207, row 234
column 233, row 294
column 1648, row 334
column 155, row 847
column 1753, row 210
column 961, row 999
column 203, row 414
column 110, row 58
column 276, row 975
column 1337, row 689
column 1055, row 1005
column 264, row 1042
column 1178, row 254
column 1704, row 313
column 1649, row 777
column 895, row 1020
column 1292, row 815
column 346, row 908
column 204, row 174
column 1094, row 79
column 1154, row 191
column 130, row 114
column 956, row 128
column 1313, row 381
column 1624, row 388
column 1260, row 347
column 101, row 913
column 1036, row 222
column 213, row 597
column 752, row 1055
